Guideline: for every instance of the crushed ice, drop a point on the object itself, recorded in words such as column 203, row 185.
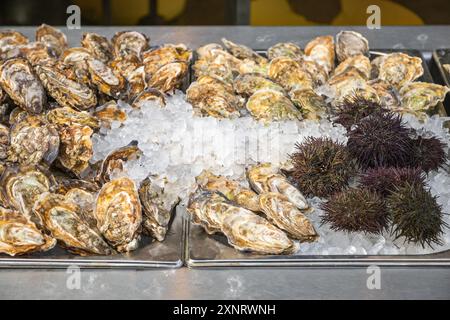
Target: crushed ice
column 178, row 145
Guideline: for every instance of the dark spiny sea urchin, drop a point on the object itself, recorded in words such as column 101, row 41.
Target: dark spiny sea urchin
column 385, row 179
column 356, row 210
column 321, row 166
column 380, row 139
column 354, row 108
column 416, row 215
column 428, row 153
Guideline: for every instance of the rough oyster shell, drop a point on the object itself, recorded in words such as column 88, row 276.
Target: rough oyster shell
column 128, row 43
column 169, row 77
column 289, row 74
column 399, row 69
column 119, row 214
column 347, row 83
column 149, row 95
column 422, row 96
column 278, row 183
column 360, row 62
column 321, row 50
column 62, row 220
column 243, row 52
column 257, row 176
column 10, row 41
column 4, row 142
column 54, row 39
column 98, row 46
column 105, row 78
column 316, row 72
column 387, row 94
column 86, row 203
column 66, row 92
column 156, row 58
column 65, row 116
column 18, row 236
column 157, row 208
column 281, row 212
column 21, row 186
column 271, row 105
column 349, row 44
column 76, row 58
column 311, row 105
column 23, row 87
column 33, row 140
column 247, row 84
column 221, row 70
column 207, row 50
column 284, row 49
column 108, row 113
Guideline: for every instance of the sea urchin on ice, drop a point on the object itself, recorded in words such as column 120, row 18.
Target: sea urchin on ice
column 428, row 153
column 380, row 139
column 321, row 166
column 355, row 210
column 416, row 215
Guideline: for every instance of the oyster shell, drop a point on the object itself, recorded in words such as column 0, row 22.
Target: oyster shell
column 77, row 59
column 65, row 116
column 109, row 113
column 62, row 220
column 157, row 58
column 4, row 142
column 36, row 53
column 311, row 105
column 18, row 236
column 54, row 39
column 98, row 46
column 422, row 96
column 86, row 203
column 387, row 94
column 231, row 189
column 243, row 52
column 216, row 82
column 257, row 176
column 208, row 50
column 349, row 44
column 247, row 231
column 317, row 73
column 21, row 186
column 66, row 92
column 10, row 41
column 347, row 83
column 157, row 208
column 321, row 50
column 399, row 69
column 289, row 74
column 113, row 163
column 105, row 78
column 281, row 212
column 149, row 95
column 129, row 42
column 284, row 49
column 33, row 140
column 119, row 214
column 220, row 70
column 271, row 105
column 169, row 77
column 23, row 87
column 247, row 84
column 360, row 62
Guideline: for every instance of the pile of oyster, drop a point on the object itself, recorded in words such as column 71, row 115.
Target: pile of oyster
column 290, row 83
column 52, row 99
column 263, row 220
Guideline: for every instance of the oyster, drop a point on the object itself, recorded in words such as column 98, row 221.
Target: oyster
column 36, row 53
column 21, row 186
column 214, row 100
column 169, row 77
column 257, row 176
column 282, row 213
column 311, row 105
column 4, row 142
column 113, row 163
column 128, row 43
column 321, row 50
column 54, row 39
column 159, row 57
column 19, row 236
column 247, row 84
column 119, row 214
column 76, row 58
column 289, row 74
column 65, row 116
column 360, row 62
column 131, row 68
column 220, row 70
column 20, row 83
column 157, row 208
column 64, row 185
column 216, row 82
column 284, row 49
column 149, row 95
column 422, row 96
column 136, row 83
column 243, row 52
column 62, row 220
column 17, row 115
column 271, row 105
column 66, row 92
column 10, row 41
column 387, row 94
column 98, row 46
column 208, row 50
column 349, row 44
column 247, row 231
column 231, row 189
column 399, row 69
column 347, row 82
column 109, row 113
column 105, row 78
column 317, row 73
column 33, row 140
column 126, row 65
column 86, row 203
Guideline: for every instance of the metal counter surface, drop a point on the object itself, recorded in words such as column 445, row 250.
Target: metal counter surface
column 248, row 283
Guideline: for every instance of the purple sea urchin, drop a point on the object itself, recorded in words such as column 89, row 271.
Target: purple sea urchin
column 380, row 139
column 354, row 108
column 321, row 166
column 416, row 215
column 356, row 210
column 428, row 153
column 384, row 180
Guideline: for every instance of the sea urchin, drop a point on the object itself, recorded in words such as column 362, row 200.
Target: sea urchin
column 321, row 166
column 428, row 153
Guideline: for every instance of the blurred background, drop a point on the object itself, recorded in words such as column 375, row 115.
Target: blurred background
column 225, row 12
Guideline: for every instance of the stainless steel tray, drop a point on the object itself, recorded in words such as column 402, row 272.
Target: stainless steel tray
column 440, row 57
column 166, row 254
